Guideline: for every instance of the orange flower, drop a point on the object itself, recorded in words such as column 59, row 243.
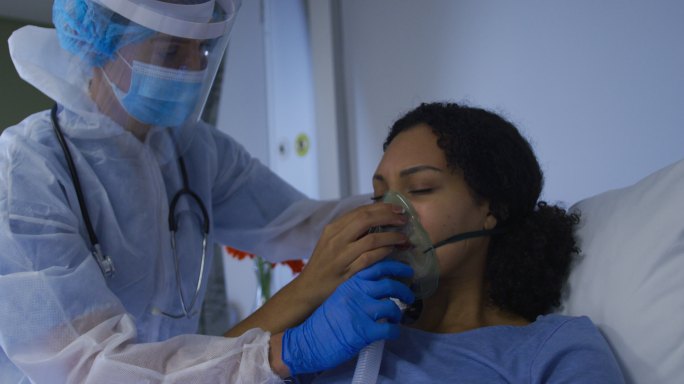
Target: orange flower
column 295, row 265
column 238, row 254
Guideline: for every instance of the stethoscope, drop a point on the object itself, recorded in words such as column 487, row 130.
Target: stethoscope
column 105, row 262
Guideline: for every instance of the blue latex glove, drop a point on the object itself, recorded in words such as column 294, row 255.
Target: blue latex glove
column 348, row 320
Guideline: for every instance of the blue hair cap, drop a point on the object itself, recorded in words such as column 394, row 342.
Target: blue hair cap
column 93, row 32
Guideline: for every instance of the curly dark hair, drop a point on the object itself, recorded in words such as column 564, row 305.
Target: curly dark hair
column 529, row 262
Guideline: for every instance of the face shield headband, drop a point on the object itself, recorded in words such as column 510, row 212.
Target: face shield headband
column 206, row 20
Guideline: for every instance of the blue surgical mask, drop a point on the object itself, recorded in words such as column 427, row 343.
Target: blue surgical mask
column 159, row 95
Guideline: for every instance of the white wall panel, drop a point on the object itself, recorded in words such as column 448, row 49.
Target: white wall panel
column 597, row 86
column 266, row 104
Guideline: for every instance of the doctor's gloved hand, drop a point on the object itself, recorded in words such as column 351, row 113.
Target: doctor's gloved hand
column 348, row 320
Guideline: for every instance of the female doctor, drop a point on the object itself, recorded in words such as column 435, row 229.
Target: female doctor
column 109, row 201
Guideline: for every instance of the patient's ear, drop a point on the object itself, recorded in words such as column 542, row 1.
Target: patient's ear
column 490, row 221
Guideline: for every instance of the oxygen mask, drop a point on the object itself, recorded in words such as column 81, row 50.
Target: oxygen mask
column 420, row 254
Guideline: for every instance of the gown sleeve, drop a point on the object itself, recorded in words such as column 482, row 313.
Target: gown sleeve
column 258, row 212
column 60, row 322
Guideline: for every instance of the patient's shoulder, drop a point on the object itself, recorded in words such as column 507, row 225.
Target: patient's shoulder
column 555, row 333
column 563, row 325
column 572, row 348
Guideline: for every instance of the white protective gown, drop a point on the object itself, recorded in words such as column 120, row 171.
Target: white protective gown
column 61, row 320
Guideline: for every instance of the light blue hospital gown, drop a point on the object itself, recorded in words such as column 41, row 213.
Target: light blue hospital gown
column 553, row 349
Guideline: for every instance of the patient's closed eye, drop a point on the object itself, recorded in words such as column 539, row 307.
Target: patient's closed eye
column 422, row 191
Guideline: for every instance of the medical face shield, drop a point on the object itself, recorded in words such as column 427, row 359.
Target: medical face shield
column 163, row 74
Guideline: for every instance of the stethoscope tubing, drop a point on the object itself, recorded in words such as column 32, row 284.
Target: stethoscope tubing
column 74, row 176
column 105, row 261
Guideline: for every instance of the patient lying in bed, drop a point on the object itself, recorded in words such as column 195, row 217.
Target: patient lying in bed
column 468, row 171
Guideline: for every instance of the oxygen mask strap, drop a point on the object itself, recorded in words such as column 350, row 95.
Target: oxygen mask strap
column 466, row 235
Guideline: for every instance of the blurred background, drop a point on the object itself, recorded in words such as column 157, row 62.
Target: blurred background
column 310, row 87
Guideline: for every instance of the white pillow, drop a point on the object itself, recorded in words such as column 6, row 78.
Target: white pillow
column 630, row 276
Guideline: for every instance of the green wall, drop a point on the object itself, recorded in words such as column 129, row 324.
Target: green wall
column 17, row 98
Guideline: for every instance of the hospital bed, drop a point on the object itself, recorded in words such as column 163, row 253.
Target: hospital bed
column 630, row 275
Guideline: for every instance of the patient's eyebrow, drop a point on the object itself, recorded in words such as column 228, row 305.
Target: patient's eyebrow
column 411, row 171
column 418, row 168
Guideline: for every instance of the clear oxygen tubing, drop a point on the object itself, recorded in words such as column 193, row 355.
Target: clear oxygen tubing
column 421, row 257
column 368, row 363
column 370, row 357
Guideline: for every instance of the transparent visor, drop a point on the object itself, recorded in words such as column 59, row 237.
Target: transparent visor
column 162, row 76
column 420, row 255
